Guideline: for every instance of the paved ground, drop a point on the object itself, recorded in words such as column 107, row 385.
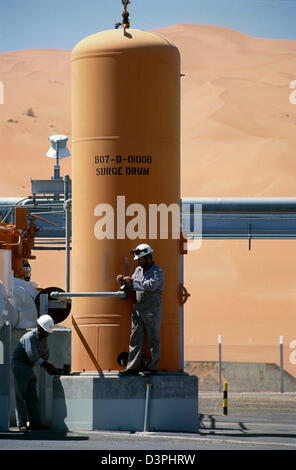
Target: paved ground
column 216, row 433
column 255, row 422
column 267, row 407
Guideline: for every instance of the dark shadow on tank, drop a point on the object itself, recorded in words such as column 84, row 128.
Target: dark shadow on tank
column 87, row 348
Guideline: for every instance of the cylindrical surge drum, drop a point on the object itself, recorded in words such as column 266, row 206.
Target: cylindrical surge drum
column 126, row 174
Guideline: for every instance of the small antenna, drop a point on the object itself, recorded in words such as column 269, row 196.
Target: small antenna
column 125, row 17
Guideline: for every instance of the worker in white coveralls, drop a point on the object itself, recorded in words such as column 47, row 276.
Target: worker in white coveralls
column 147, row 281
column 32, row 349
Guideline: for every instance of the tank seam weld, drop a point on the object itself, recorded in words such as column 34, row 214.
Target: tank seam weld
column 99, row 54
column 84, row 139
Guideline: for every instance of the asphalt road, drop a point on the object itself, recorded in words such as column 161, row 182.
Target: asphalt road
column 216, row 433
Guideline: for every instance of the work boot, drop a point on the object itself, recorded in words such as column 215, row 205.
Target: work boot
column 148, row 372
column 123, row 373
column 23, row 428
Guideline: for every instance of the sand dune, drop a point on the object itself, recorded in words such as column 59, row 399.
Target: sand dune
column 238, row 139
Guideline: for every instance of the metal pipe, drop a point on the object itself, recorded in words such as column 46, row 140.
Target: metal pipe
column 67, row 206
column 146, row 416
column 48, row 202
column 7, row 228
column 11, row 207
column 119, row 294
column 282, row 364
column 57, row 175
column 40, row 242
column 49, row 248
column 43, row 308
column 242, row 204
column 44, row 201
column 210, row 205
column 53, row 239
column 11, row 244
column 244, row 237
column 220, row 363
column 47, row 212
column 182, row 316
column 246, row 215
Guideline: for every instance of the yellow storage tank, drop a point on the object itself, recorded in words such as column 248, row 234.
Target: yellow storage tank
column 126, row 142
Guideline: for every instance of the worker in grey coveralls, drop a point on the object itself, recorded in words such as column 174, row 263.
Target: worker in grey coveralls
column 32, row 349
column 147, row 281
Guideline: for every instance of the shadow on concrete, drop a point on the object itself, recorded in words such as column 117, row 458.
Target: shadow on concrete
column 210, row 426
column 59, row 409
column 243, row 427
column 253, row 434
column 213, row 424
column 41, row 436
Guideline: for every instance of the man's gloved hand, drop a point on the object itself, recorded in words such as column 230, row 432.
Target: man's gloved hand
column 128, row 280
column 119, row 278
column 50, row 369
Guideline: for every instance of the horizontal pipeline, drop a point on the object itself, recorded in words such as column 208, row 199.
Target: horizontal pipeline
column 243, row 204
column 119, row 294
column 49, row 248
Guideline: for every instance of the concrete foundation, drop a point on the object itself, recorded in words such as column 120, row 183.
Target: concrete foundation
column 108, row 402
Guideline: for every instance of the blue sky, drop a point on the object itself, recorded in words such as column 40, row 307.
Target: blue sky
column 26, row 24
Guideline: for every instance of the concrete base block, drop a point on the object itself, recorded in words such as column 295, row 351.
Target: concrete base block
column 108, row 402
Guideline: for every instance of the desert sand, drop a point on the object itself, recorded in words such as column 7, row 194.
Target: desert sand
column 238, row 139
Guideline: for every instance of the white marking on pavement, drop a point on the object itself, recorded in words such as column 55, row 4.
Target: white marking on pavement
column 199, row 439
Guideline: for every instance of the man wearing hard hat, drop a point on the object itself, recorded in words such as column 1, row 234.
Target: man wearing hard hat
column 32, row 349
column 147, row 281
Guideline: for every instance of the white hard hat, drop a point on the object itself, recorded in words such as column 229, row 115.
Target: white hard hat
column 142, row 250
column 46, row 322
